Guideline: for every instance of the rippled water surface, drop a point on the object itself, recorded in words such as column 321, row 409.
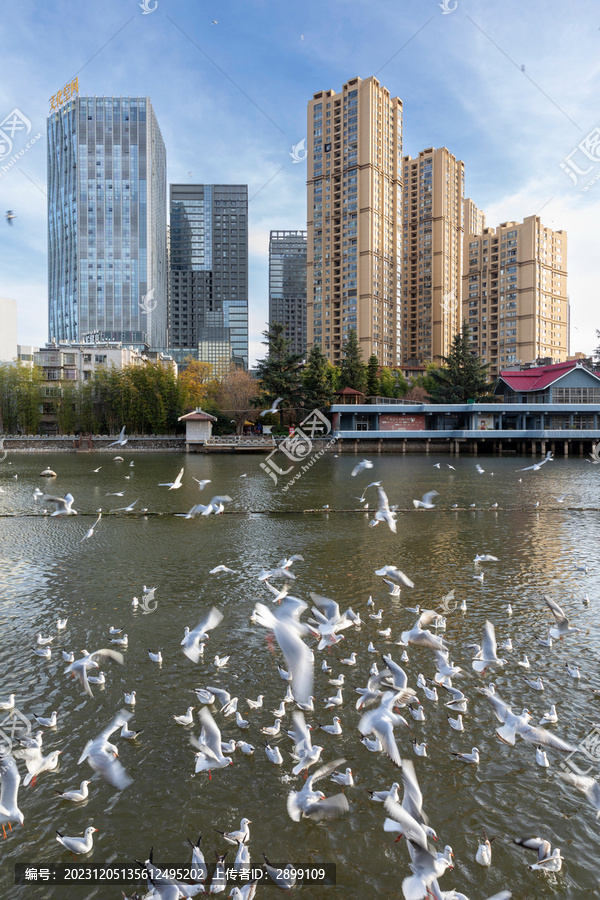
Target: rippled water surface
column 46, row 571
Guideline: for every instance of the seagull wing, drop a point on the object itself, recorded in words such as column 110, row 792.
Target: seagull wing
column 540, row 845
column 329, row 608
column 413, row 798
column 556, row 611
column 121, row 718
column 212, row 735
column 177, row 481
column 10, row 780
column 190, row 642
column 106, row 764
column 222, row 696
column 298, row 657
column 329, row 808
column 411, row 829
column 545, row 738
column 488, row 643
column 302, row 732
column 501, row 709
column 107, row 653
column 376, row 722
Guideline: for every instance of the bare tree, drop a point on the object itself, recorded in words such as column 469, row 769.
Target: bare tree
column 234, row 398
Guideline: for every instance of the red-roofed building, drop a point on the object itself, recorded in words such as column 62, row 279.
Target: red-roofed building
column 567, row 382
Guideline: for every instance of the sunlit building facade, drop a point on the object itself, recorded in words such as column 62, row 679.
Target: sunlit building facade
column 354, row 158
column 107, row 254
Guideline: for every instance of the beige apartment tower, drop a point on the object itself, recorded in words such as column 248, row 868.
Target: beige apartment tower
column 432, row 218
column 515, row 293
column 473, row 218
column 353, row 220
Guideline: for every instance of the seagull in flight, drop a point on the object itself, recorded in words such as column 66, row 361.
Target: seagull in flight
column 537, row 466
column 121, row 440
column 174, row 485
column 89, row 533
column 202, row 484
column 273, row 410
column 361, row 466
column 102, row 755
column 64, row 505
column 10, row 216
column 426, row 503
column 127, row 508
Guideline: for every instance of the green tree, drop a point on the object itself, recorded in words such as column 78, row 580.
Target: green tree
column 463, row 376
column 20, row 398
column 373, row 381
column 318, row 379
column 279, row 373
column 353, row 372
column 596, row 353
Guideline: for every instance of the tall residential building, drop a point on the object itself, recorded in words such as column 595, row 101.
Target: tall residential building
column 107, row 264
column 354, row 192
column 515, row 293
column 473, row 218
column 209, row 272
column 432, row 218
column 287, row 286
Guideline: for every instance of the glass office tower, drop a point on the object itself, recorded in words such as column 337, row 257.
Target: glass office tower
column 209, row 272
column 287, row 286
column 107, row 225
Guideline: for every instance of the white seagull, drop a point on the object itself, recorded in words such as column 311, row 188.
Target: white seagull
column 78, row 844
column 174, row 485
column 64, row 505
column 121, row 440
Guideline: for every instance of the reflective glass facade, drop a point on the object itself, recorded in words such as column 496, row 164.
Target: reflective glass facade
column 107, row 238
column 287, row 286
column 209, row 271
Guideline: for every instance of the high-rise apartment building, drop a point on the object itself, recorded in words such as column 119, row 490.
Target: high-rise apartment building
column 287, row 286
column 515, row 293
column 107, row 258
column 473, row 218
column 209, row 272
column 432, row 219
column 354, row 192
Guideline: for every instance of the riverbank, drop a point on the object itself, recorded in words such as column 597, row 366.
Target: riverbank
column 97, row 443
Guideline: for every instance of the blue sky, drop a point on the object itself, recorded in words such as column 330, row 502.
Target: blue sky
column 231, row 102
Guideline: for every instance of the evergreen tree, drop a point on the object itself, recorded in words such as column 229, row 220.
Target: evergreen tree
column 353, row 372
column 596, row 353
column 279, row 373
column 318, row 379
column 373, row 382
column 463, row 376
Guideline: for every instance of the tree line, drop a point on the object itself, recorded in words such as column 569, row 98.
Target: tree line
column 149, row 398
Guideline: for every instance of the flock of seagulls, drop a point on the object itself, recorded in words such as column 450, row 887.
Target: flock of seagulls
column 378, row 699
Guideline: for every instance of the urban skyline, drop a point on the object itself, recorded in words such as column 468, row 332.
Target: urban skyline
column 460, row 77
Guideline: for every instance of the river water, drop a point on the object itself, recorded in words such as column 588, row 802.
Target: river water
column 47, row 571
